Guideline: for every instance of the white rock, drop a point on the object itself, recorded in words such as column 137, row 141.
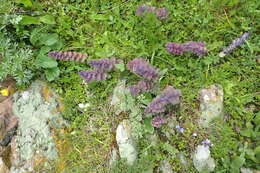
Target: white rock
column 202, row 160
column 3, row 167
column 211, row 104
column 246, row 170
column 125, row 142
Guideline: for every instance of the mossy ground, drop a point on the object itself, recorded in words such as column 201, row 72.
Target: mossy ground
column 110, row 28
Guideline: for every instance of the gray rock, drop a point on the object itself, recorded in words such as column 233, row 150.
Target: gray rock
column 211, row 104
column 36, row 109
column 166, row 167
column 126, row 142
column 3, row 167
column 202, row 160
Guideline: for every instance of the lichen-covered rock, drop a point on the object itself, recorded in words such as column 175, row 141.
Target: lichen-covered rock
column 211, row 104
column 37, row 112
column 3, row 167
column 166, row 167
column 122, row 99
column 126, row 142
column 8, row 122
column 202, row 160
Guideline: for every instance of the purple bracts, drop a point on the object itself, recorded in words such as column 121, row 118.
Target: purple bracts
column 140, row 87
column 68, row 56
column 158, row 121
column 142, row 68
column 93, row 75
column 197, row 48
column 161, row 13
column 235, row 43
column 168, row 96
column 104, row 64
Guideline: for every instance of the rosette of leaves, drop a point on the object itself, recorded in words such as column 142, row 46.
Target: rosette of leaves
column 168, row 96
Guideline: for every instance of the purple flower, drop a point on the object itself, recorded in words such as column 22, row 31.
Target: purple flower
column 68, row 56
column 93, row 75
column 175, row 48
column 140, row 87
column 197, row 48
column 207, row 143
column 142, row 68
column 104, row 64
column 141, row 10
column 180, row 129
column 235, row 43
column 162, row 13
column 158, row 121
column 168, row 96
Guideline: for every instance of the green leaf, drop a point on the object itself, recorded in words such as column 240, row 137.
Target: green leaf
column 237, row 163
column 120, row 67
column 45, row 61
column 29, row 20
column 98, row 17
column 148, row 125
column 26, row 3
column 246, row 132
column 49, row 39
column 52, row 73
column 48, row 19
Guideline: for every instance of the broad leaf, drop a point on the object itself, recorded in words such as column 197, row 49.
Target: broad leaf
column 29, row 20
column 52, row 73
column 48, row 19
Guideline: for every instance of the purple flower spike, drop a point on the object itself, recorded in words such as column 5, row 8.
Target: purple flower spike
column 168, row 96
column 175, row 48
column 158, row 121
column 162, row 13
column 197, row 48
column 141, row 10
column 93, row 75
column 235, row 43
column 180, row 129
column 104, row 64
column 68, row 56
column 142, row 86
column 142, row 68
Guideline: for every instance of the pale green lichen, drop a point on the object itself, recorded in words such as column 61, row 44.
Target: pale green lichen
column 35, row 116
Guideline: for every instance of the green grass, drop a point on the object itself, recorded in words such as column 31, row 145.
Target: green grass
column 111, row 28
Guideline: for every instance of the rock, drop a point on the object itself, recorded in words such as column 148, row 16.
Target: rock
column 246, row 170
column 8, row 122
column 166, row 167
column 3, row 167
column 202, row 160
column 37, row 112
column 125, row 142
column 211, row 104
column 114, row 156
column 122, row 99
